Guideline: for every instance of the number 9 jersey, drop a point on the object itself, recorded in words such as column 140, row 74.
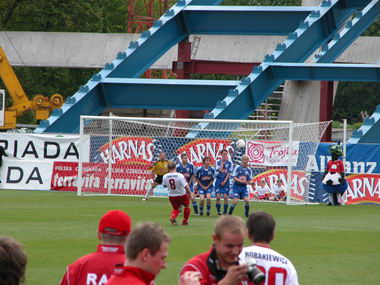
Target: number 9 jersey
column 277, row 268
column 176, row 183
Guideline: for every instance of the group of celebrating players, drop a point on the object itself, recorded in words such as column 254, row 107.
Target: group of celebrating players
column 184, row 180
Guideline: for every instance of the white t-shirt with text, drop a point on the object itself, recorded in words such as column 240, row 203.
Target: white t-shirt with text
column 176, row 183
column 277, row 268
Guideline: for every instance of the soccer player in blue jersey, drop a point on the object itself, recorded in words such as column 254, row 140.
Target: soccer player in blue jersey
column 188, row 170
column 205, row 177
column 242, row 176
column 224, row 168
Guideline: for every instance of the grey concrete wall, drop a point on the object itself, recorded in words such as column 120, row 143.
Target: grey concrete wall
column 94, row 50
column 88, row 50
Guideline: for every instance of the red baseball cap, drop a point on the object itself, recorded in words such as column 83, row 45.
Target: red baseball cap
column 115, row 222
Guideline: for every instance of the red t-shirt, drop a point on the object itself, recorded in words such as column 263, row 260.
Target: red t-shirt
column 199, row 264
column 335, row 166
column 131, row 275
column 95, row 268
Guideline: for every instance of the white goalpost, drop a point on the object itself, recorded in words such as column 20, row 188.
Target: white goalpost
column 116, row 153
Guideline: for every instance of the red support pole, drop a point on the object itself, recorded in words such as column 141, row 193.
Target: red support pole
column 326, row 107
column 184, row 57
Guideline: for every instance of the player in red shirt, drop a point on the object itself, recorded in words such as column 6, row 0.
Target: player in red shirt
column 220, row 264
column 179, row 193
column 147, row 249
column 96, row 268
column 334, row 182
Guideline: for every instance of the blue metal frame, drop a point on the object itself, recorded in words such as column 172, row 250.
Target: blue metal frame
column 309, row 27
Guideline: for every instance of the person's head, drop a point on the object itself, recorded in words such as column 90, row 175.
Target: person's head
column 224, row 154
column 244, row 160
column 336, row 151
column 262, row 183
column 184, row 158
column 147, row 247
column 279, row 182
column 228, row 237
column 206, row 161
column 114, row 227
column 162, row 156
column 261, row 226
column 12, row 262
column 171, row 166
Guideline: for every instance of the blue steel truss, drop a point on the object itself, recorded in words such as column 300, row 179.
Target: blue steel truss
column 332, row 26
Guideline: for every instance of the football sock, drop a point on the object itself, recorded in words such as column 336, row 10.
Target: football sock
column 201, row 209
column 335, row 198
column 218, row 207
column 246, row 210
column 232, row 208
column 174, row 214
column 186, row 214
column 147, row 194
column 225, row 208
column 195, row 207
column 208, row 208
column 331, row 199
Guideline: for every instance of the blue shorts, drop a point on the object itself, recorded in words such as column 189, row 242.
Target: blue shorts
column 225, row 189
column 240, row 191
column 201, row 191
column 191, row 186
column 340, row 188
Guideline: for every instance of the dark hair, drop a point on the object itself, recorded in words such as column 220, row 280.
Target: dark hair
column 112, row 239
column 145, row 235
column 184, row 154
column 223, row 150
column 205, row 158
column 261, row 227
column 12, row 262
column 171, row 165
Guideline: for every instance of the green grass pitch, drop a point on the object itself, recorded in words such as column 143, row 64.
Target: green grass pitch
column 327, row 245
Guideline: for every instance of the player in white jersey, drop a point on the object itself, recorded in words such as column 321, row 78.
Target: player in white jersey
column 179, row 193
column 277, row 268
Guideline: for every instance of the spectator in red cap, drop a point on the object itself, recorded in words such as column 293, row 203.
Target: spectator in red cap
column 146, row 252
column 96, row 268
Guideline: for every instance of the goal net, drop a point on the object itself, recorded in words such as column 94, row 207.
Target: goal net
column 118, row 157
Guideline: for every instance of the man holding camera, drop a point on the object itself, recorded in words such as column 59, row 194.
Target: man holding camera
column 278, row 269
column 220, row 265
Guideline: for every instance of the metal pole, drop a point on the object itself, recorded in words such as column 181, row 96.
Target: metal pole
column 290, row 164
column 81, row 149
column 109, row 176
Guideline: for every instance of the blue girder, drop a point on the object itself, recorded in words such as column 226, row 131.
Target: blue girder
column 308, row 28
column 179, row 94
column 369, row 132
column 318, row 29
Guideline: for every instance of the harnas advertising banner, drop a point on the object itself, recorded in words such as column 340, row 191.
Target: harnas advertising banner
column 363, row 189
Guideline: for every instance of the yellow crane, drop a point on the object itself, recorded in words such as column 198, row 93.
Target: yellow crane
column 40, row 104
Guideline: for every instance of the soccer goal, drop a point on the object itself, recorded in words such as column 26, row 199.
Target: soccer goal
column 117, row 158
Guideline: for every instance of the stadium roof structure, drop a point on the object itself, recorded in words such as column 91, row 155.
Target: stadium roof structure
column 332, row 26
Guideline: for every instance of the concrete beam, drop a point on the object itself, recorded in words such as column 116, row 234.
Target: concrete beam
column 94, row 50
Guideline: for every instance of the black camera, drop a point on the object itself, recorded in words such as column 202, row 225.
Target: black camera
column 255, row 275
